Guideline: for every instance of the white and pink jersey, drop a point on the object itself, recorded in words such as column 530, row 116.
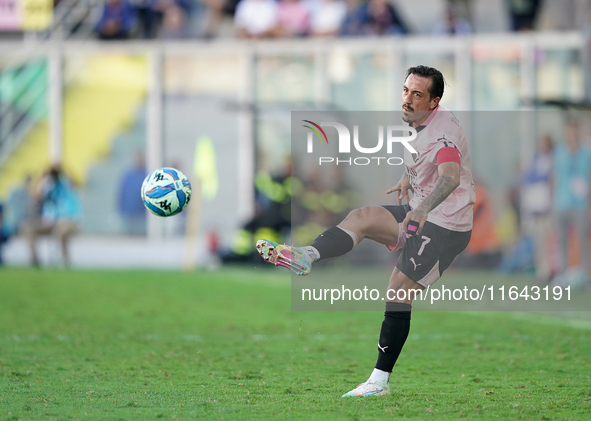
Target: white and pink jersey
column 441, row 130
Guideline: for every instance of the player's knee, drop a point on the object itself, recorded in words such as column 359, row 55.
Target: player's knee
column 402, row 289
column 361, row 216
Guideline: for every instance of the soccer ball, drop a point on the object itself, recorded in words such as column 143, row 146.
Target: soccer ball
column 166, row 192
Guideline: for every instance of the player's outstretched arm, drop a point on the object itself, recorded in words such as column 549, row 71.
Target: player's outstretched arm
column 402, row 188
column 448, row 181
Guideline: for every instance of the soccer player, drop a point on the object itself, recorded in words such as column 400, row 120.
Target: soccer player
column 431, row 229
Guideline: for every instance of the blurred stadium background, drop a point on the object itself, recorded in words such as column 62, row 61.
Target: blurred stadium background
column 204, row 87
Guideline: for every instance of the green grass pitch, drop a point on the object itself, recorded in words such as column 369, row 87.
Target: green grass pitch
column 225, row 346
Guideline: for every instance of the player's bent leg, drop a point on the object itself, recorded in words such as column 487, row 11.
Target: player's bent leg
column 372, row 222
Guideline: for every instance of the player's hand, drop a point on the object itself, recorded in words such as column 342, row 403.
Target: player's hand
column 402, row 188
column 418, row 217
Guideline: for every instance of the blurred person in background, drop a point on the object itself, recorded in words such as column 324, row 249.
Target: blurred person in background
column 3, row 233
column 174, row 22
column 380, row 17
column 323, row 201
column 293, row 18
column 130, row 206
column 21, row 207
column 218, row 12
column 523, row 14
column 572, row 173
column 148, row 16
column 60, row 210
column 452, row 24
column 327, row 17
column 273, row 198
column 536, row 205
column 256, row 18
column 484, row 249
column 117, row 21
column 353, row 18
column 462, row 8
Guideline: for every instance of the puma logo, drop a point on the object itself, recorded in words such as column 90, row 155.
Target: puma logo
column 412, row 259
column 382, row 348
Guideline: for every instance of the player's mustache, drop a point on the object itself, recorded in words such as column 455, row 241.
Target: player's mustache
column 407, row 108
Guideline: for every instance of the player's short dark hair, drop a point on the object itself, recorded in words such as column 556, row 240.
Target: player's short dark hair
column 437, row 80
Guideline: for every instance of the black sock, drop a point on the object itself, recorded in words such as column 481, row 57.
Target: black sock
column 332, row 243
column 395, row 328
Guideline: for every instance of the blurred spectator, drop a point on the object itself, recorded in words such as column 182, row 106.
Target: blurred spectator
column 130, row 206
column 379, row 17
column 523, row 14
column 293, row 18
column 22, row 207
column 536, row 205
column 3, row 233
column 216, row 11
column 513, row 197
column 353, row 18
column 327, row 17
column 272, row 214
column 323, row 200
column 256, row 18
column 60, row 209
column 117, row 20
column 462, row 8
column 452, row 24
column 174, row 20
column 149, row 18
column 572, row 171
column 484, row 250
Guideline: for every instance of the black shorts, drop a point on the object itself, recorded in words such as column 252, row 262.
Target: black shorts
column 424, row 257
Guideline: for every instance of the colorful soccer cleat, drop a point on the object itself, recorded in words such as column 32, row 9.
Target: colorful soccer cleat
column 368, row 389
column 293, row 258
